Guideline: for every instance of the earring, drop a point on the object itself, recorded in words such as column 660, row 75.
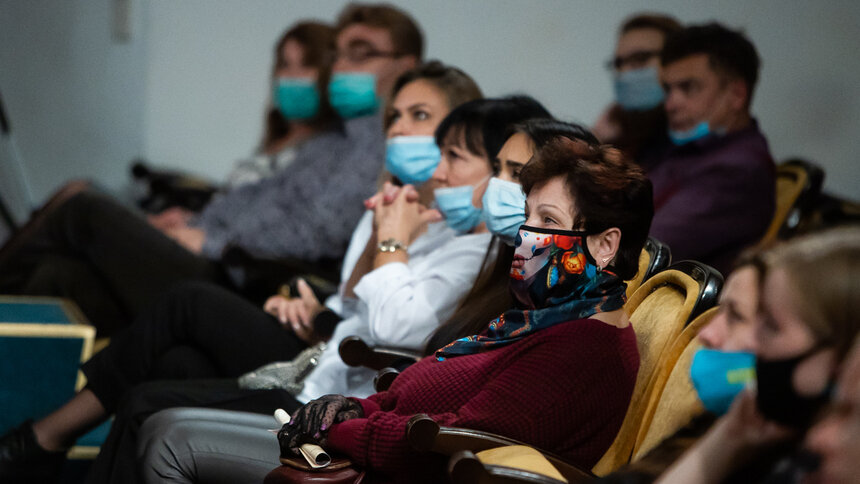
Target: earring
column 600, row 268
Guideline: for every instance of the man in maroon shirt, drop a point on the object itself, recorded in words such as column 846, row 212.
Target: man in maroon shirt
column 714, row 186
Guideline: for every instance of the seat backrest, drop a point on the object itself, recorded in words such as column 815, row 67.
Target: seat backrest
column 659, row 311
column 655, row 257
column 673, row 401
column 798, row 185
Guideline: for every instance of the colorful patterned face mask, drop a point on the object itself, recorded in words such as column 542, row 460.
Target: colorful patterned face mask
column 555, row 280
column 549, row 264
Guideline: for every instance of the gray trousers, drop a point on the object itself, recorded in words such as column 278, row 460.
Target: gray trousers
column 208, row 446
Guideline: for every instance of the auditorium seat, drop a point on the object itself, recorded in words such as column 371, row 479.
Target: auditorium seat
column 798, row 187
column 659, row 311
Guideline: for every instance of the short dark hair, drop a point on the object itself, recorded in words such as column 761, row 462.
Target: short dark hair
column 657, row 21
column 730, row 53
column 485, row 123
column 607, row 190
column 405, row 33
column 455, row 84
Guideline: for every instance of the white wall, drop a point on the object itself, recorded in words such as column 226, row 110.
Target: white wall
column 74, row 95
column 189, row 88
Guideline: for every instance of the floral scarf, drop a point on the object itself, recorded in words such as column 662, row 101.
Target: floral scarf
column 554, row 280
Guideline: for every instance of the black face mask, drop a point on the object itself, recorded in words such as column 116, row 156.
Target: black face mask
column 776, row 397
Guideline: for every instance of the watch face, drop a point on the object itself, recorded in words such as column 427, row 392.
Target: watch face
column 390, row 245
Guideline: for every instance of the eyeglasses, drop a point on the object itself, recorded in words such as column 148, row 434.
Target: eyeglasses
column 634, row 59
column 362, row 53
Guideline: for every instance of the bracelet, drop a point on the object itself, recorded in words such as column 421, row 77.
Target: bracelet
column 391, row 245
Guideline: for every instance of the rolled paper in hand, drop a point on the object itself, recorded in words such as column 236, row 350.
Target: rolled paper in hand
column 314, row 454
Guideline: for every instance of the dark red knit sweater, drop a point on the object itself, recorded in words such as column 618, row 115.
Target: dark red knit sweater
column 564, row 389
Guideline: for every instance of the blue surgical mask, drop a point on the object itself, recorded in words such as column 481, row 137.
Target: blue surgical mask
column 719, row 376
column 455, row 203
column 699, row 131
column 504, row 209
column 353, row 94
column 412, row 159
column 297, row 97
column 638, row 89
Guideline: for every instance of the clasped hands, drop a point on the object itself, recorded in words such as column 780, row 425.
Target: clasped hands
column 398, row 213
column 310, row 423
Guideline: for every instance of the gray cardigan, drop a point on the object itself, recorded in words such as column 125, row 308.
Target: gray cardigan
column 309, row 209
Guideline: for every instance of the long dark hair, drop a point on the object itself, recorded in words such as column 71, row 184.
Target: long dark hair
column 317, row 41
column 489, row 296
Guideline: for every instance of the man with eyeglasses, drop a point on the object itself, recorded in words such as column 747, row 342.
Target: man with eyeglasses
column 94, row 250
column 714, row 184
column 375, row 44
column 636, row 118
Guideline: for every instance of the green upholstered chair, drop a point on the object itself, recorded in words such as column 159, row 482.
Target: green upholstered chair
column 43, row 341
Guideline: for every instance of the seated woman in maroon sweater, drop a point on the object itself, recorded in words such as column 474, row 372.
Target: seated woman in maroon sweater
column 558, row 370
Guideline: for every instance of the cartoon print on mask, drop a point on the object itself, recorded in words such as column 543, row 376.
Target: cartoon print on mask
column 552, row 258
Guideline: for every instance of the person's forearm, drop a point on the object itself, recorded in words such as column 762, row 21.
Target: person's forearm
column 708, row 462
column 397, row 234
column 364, row 265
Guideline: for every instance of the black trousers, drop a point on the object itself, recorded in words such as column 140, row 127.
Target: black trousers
column 105, row 257
column 117, row 461
column 198, row 330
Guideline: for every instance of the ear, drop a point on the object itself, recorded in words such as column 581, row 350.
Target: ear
column 604, row 246
column 738, row 95
column 408, row 62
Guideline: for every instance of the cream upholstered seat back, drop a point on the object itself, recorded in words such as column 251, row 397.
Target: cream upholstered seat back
column 659, row 310
column 673, row 401
column 655, row 257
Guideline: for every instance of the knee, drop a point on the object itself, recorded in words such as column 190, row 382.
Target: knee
column 162, row 444
column 165, row 429
column 196, row 292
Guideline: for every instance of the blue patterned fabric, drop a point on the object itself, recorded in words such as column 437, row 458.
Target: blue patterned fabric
column 554, row 279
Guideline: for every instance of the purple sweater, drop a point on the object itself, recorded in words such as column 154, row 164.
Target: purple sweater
column 712, row 197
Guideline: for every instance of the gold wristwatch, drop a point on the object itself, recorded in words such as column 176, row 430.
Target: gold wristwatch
column 391, row 245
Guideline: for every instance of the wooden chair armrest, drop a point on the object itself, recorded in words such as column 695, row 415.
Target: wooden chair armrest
column 424, row 434
column 355, row 352
column 384, row 378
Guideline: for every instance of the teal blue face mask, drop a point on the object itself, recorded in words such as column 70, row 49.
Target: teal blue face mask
column 719, row 376
column 412, row 159
column 297, row 98
column 504, row 209
column 455, row 203
column 638, row 89
column 698, row 131
column 353, row 94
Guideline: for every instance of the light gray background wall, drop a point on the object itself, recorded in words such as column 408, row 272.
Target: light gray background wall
column 187, row 89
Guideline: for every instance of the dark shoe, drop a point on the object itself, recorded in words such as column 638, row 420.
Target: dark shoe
column 22, row 459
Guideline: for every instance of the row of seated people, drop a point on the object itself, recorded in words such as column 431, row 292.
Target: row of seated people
column 548, row 132
column 754, row 380
column 707, row 160
column 403, row 274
